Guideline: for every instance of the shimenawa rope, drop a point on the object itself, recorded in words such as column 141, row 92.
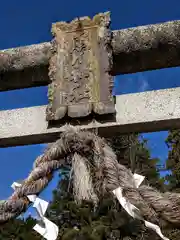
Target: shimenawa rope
column 95, row 172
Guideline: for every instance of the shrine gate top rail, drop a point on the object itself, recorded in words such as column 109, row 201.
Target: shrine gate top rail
column 135, row 49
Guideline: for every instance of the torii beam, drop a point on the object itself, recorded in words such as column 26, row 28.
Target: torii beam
column 139, row 112
column 135, row 49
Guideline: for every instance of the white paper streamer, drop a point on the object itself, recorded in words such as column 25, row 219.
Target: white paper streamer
column 15, row 185
column 46, row 228
column 134, row 211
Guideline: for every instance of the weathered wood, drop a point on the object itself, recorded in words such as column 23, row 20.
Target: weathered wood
column 140, row 112
column 79, row 68
column 135, row 49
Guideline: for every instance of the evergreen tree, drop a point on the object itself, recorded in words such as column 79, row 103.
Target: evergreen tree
column 132, row 151
column 19, row 229
column 173, row 179
column 173, row 161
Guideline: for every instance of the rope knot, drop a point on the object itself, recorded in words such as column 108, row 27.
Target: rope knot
column 95, row 172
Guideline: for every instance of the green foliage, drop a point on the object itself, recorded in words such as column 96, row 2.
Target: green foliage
column 18, row 229
column 173, row 161
column 173, row 164
column 132, row 151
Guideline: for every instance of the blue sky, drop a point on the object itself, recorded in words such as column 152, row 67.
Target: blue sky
column 29, row 22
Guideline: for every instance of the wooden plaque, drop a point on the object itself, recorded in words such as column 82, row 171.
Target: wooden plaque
column 79, row 68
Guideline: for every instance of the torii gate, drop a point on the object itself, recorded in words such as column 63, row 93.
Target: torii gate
column 79, row 65
column 101, row 54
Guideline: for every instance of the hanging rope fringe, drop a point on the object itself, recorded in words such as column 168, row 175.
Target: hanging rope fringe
column 95, row 172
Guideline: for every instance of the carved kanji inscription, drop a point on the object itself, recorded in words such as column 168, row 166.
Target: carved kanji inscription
column 79, row 68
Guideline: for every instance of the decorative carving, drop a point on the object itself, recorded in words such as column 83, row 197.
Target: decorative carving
column 79, row 68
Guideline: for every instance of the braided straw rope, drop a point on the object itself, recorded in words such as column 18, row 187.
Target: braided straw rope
column 95, row 172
